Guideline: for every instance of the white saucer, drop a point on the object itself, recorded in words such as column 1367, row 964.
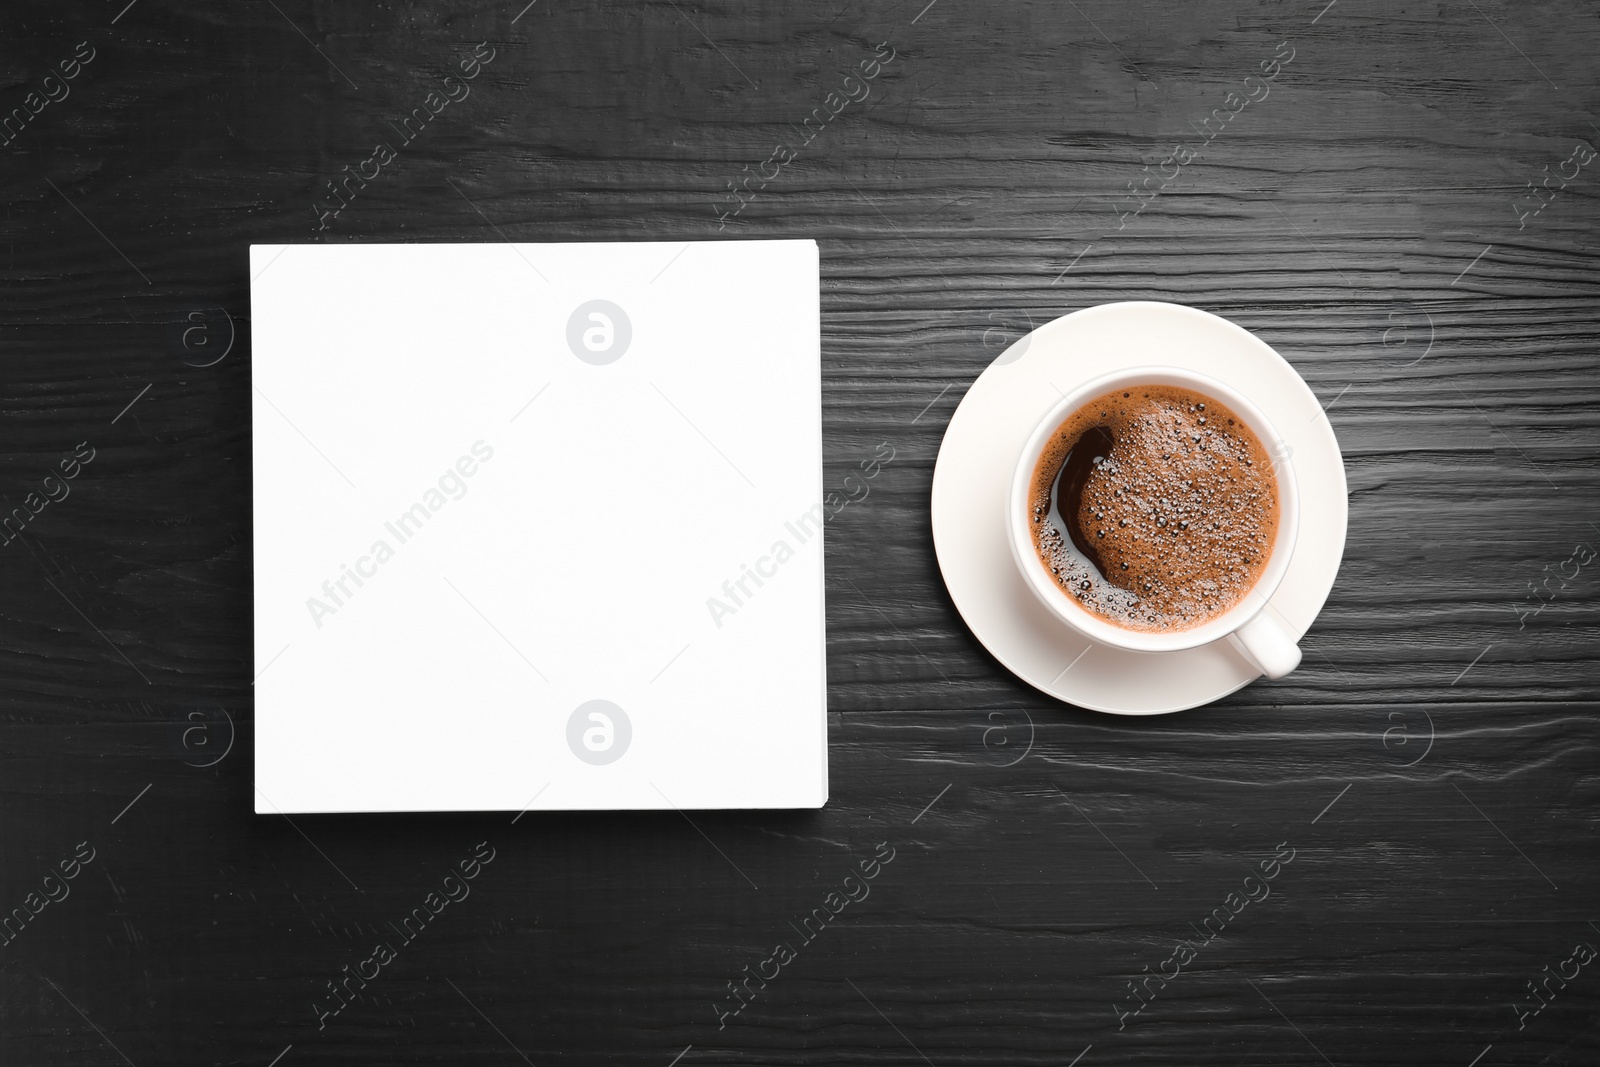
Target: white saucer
column 980, row 451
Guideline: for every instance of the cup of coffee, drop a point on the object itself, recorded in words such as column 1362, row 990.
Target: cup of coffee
column 1155, row 509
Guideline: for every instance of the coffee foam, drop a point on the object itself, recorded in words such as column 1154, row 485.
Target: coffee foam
column 1171, row 510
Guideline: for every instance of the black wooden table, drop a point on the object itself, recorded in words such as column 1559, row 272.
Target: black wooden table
column 1388, row 857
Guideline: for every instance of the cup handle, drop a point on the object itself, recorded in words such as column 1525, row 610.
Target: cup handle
column 1267, row 645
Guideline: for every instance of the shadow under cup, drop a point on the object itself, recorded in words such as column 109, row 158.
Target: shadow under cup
column 1255, row 632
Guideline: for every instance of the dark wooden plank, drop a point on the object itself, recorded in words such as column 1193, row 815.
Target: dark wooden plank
column 1431, row 762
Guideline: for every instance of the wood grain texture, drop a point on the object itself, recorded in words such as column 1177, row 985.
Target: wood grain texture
column 1431, row 763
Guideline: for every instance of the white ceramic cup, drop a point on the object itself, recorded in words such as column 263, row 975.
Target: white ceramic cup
column 1256, row 632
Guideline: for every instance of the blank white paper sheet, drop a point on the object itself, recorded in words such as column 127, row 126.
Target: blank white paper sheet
column 538, row 526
